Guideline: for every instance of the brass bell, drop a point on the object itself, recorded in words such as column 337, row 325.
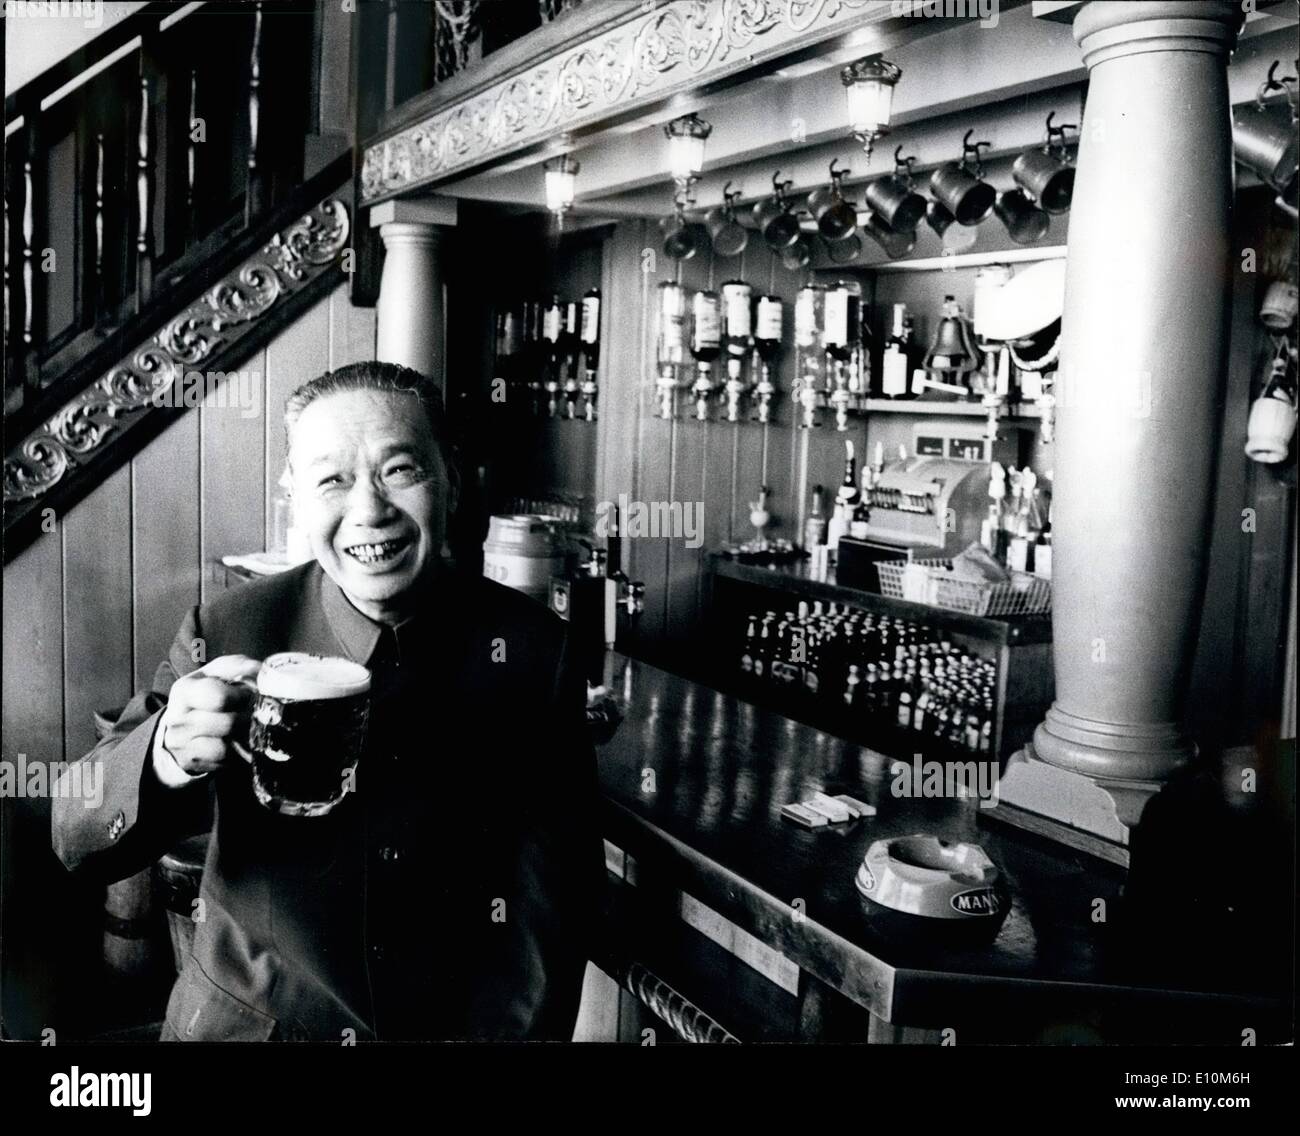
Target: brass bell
column 953, row 351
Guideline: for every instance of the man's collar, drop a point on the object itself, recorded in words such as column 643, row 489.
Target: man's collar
column 359, row 635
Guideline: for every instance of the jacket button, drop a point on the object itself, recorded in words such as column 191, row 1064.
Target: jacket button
column 388, row 853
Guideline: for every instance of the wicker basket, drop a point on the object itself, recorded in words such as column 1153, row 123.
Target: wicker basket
column 931, row 582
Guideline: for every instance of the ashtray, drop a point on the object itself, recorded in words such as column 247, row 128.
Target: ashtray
column 923, row 887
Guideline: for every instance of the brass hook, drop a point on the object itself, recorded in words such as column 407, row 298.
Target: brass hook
column 971, row 149
column 903, row 166
column 1056, row 134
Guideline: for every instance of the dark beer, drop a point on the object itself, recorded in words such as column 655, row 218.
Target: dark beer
column 308, row 730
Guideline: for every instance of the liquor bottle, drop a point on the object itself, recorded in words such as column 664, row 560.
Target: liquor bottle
column 571, row 348
column 512, row 347
column 737, row 339
column 814, row 526
column 769, row 319
column 749, row 648
column 1043, row 549
column 848, row 492
column 859, row 524
column 763, row 655
column 896, row 361
column 552, row 333
column 809, row 318
column 840, row 333
column 532, row 361
column 841, row 327
column 846, row 501
column 672, row 343
column 500, row 360
column 590, row 337
column 706, row 343
column 860, row 370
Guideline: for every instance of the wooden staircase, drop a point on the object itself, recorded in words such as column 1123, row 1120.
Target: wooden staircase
column 175, row 193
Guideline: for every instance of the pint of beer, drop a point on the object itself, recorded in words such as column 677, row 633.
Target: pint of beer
column 308, row 731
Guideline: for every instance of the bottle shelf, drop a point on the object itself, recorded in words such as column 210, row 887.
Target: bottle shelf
column 949, row 409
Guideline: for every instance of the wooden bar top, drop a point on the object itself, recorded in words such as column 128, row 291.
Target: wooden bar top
column 694, row 781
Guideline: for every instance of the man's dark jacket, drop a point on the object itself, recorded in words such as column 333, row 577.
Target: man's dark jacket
column 451, row 895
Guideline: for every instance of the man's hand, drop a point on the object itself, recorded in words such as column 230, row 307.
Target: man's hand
column 207, row 710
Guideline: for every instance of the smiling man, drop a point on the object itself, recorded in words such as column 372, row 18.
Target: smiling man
column 452, row 893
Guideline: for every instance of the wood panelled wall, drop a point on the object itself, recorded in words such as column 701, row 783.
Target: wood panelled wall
column 91, row 608
column 1235, row 692
column 721, row 465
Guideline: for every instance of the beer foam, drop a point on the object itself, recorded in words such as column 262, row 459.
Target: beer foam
column 299, row 676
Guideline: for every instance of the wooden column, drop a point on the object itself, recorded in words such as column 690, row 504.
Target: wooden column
column 410, row 313
column 1139, row 394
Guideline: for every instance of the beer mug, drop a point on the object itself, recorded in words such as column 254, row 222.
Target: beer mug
column 954, row 237
column 308, row 731
column 892, row 198
column 681, row 238
column 845, row 251
column 729, row 236
column 1045, row 173
column 1046, row 178
column 798, row 254
column 836, row 218
column 959, row 186
column 772, row 216
column 895, row 244
column 1025, row 222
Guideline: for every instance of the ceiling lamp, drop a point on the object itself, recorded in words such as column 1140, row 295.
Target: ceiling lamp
column 869, row 86
column 561, row 181
column 686, row 138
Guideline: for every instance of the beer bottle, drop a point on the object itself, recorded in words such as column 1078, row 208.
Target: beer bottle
column 747, row 651
column 904, row 718
column 851, row 687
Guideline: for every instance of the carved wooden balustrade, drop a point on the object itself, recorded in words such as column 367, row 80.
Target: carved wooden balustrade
column 166, row 192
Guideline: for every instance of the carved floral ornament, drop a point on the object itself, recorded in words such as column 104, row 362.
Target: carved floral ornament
column 283, row 266
column 659, row 51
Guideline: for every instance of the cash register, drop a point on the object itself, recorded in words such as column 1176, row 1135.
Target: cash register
column 929, row 505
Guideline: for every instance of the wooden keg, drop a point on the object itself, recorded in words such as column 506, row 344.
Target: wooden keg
column 523, row 551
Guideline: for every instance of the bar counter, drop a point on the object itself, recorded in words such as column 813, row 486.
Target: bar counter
column 693, row 783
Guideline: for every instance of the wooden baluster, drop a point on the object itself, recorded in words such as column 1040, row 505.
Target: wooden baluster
column 191, row 162
column 144, row 201
column 254, row 201
column 31, row 369
column 13, row 388
column 101, row 294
